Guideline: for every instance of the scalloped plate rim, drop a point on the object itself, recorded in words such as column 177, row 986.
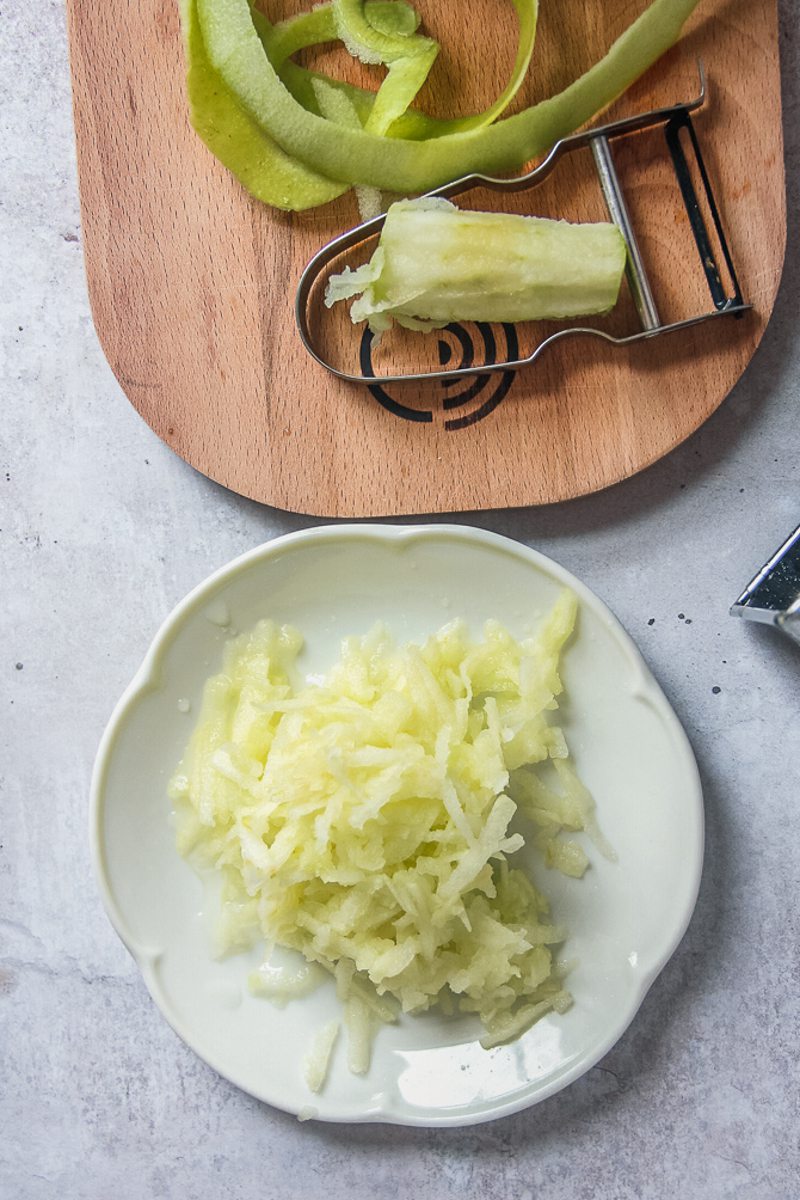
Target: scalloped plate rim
column 147, row 678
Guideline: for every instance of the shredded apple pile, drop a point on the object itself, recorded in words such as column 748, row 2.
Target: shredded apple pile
column 364, row 820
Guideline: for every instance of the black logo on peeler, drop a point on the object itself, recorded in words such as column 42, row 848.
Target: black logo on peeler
column 475, row 396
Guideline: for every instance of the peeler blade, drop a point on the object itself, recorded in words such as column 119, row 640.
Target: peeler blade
column 773, row 596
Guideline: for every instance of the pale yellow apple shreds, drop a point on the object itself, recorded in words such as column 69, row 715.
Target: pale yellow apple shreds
column 315, row 1066
column 364, row 820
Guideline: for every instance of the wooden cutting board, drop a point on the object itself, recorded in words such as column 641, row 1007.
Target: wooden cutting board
column 192, row 282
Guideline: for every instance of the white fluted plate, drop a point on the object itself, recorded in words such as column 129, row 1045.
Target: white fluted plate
column 625, row 918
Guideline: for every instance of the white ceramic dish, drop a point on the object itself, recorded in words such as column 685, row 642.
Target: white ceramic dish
column 625, row 919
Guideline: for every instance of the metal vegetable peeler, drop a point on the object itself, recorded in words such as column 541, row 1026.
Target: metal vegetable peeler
column 773, row 596
column 676, row 120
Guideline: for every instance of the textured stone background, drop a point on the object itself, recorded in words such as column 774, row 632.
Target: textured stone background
column 103, row 529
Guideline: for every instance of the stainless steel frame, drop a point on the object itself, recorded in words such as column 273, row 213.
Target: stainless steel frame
column 675, row 119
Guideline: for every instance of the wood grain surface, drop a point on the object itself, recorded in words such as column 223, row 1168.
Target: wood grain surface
column 192, row 282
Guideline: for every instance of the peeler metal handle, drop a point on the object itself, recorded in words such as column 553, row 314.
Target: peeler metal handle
column 678, row 128
column 772, row 597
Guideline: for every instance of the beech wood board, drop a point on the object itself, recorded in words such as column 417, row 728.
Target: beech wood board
column 192, row 282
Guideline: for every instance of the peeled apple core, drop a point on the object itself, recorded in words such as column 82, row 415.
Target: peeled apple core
column 436, row 263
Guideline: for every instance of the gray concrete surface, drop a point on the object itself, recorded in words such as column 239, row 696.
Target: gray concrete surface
column 103, row 529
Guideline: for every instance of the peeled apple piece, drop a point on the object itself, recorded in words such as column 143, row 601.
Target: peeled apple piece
column 235, row 138
column 409, row 58
column 382, row 31
column 400, row 165
column 438, row 263
column 389, row 16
